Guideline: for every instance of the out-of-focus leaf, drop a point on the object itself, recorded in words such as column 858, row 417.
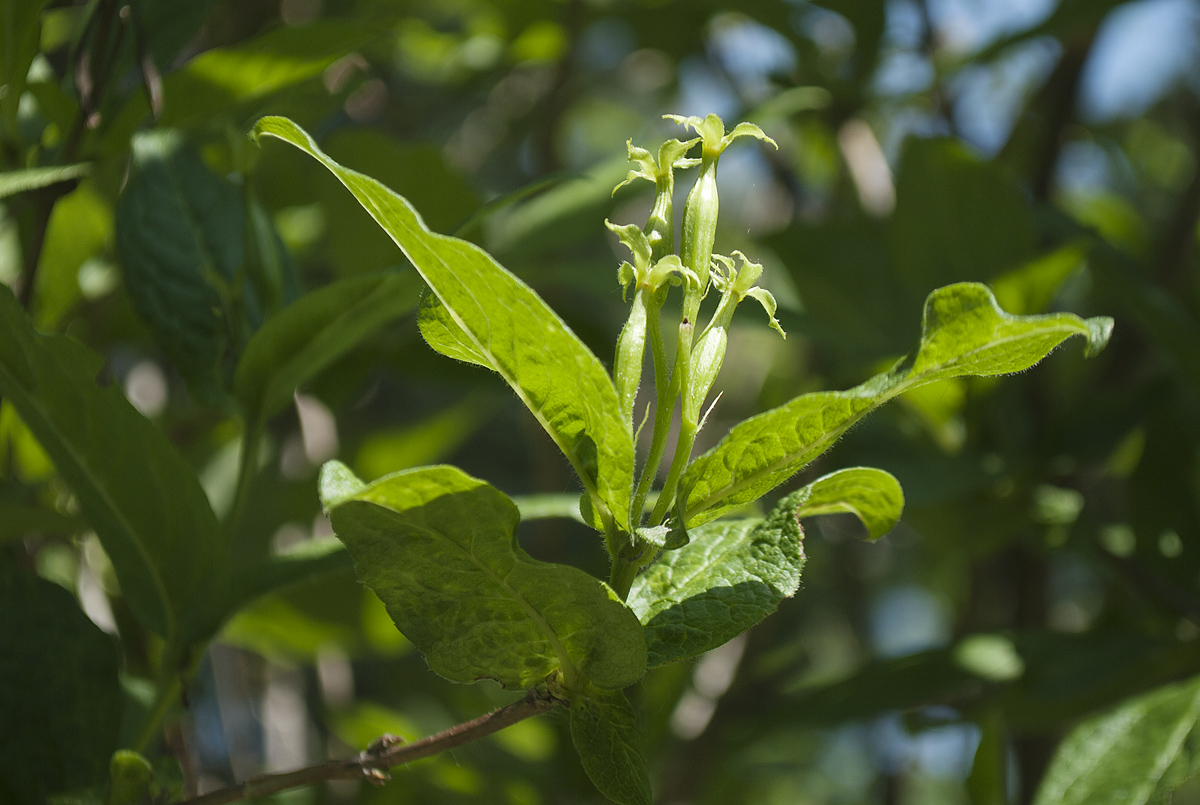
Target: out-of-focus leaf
column 168, row 25
column 179, row 233
column 425, row 442
column 957, row 218
column 1030, row 288
column 142, row 499
column 1122, row 757
column 19, row 181
column 311, row 559
column 314, row 331
column 416, row 171
column 81, row 227
column 58, row 691
column 561, row 382
column 728, row 578
column 538, row 507
column 608, row 738
column 964, row 332
column 20, row 28
column 439, row 548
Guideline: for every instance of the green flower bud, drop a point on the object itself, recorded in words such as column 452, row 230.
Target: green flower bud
column 660, row 229
column 700, row 211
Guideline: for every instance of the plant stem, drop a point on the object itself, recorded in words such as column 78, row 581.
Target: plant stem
column 247, row 467
column 383, row 754
column 664, row 405
column 168, row 692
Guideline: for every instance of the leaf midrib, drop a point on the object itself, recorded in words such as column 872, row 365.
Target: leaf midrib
column 116, row 512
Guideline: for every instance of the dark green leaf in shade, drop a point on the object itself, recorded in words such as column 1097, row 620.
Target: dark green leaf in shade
column 730, row 576
column 142, row 499
column 964, row 332
column 1123, row 757
column 311, row 559
column 59, row 695
column 871, row 495
column 179, row 237
column 307, row 336
column 607, row 734
column 561, row 382
column 439, row 548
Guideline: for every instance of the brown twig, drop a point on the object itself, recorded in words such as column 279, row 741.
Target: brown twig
column 384, row 753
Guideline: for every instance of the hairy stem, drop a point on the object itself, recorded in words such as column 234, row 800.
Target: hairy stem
column 383, row 754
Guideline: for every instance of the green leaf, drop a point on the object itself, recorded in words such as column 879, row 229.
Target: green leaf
column 1122, row 757
column 58, row 691
column 12, row 182
column 964, row 332
column 608, row 737
column 730, row 576
column 444, row 335
column 310, row 560
column 311, row 333
column 20, row 29
column 871, row 495
column 439, row 548
column 561, row 382
column 179, row 237
column 142, row 499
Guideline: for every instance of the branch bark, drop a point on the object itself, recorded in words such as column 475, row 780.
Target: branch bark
column 384, row 753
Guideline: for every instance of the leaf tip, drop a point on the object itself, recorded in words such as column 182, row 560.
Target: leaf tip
column 1099, row 331
column 337, row 483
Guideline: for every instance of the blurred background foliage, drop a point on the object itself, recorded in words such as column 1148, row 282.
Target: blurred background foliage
column 1048, row 563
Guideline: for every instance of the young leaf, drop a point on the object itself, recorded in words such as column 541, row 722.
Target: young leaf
column 1122, row 757
column 58, row 691
column 872, row 495
column 314, row 331
column 142, row 499
column 964, row 333
column 439, row 548
column 608, row 739
column 728, row 578
column 561, row 382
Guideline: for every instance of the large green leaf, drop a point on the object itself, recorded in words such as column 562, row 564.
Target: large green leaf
column 58, row 691
column 307, row 336
column 439, row 548
column 964, row 332
column 608, row 738
column 561, row 382
column 179, row 238
column 142, row 499
column 1123, row 757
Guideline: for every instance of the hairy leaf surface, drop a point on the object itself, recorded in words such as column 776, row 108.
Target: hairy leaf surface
column 314, row 331
column 561, row 382
column 142, row 499
column 1124, row 757
column 32, row 178
column 964, row 332
column 608, row 739
column 439, row 549
column 730, row 576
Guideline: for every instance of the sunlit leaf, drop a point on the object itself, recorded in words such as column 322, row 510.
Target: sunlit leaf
column 561, row 382
column 439, row 548
column 964, row 333
column 1123, row 757
column 32, row 178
